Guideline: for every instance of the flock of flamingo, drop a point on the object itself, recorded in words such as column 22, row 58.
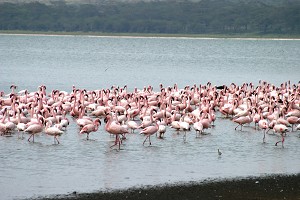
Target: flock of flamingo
column 270, row 108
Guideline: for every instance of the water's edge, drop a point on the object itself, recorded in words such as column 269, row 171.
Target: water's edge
column 179, row 36
column 273, row 186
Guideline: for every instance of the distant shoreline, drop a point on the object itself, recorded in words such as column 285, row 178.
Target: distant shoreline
column 264, row 188
column 154, row 35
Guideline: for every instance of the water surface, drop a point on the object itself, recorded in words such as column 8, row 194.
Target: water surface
column 42, row 168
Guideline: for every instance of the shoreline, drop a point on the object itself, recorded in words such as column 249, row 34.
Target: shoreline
column 154, row 35
column 264, row 188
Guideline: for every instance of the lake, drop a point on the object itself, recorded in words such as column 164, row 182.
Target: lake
column 59, row 62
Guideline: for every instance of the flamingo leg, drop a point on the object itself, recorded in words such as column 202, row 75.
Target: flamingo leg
column 145, row 139
column 149, row 141
column 117, row 141
column 29, row 137
column 264, row 136
column 282, row 141
column 236, row 127
column 184, row 136
column 120, row 141
column 56, row 139
column 114, row 143
column 32, row 135
column 87, row 136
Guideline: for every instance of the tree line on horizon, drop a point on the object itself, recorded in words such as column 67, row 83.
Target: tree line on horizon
column 204, row 17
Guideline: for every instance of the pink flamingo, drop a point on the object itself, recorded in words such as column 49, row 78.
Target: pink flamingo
column 271, row 125
column 116, row 129
column 131, row 124
column 64, row 123
column 162, row 130
column 20, row 126
column 91, row 128
column 294, row 112
column 263, row 124
column 293, row 120
column 174, row 123
column 282, row 129
column 35, row 128
column 147, row 121
column 53, row 131
column 241, row 121
column 198, row 126
column 206, row 122
column 184, row 126
column 83, row 120
column 6, row 126
column 256, row 117
column 149, row 130
column 2, row 125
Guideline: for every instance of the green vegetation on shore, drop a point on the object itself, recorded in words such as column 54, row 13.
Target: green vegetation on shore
column 207, row 18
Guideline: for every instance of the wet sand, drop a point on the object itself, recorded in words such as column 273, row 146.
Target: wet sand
column 266, row 187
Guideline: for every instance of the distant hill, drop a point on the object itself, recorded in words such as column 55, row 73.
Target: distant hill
column 168, row 17
column 95, row 2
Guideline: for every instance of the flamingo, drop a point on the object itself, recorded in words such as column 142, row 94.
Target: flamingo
column 83, row 120
column 174, row 123
column 184, row 126
column 198, row 126
column 263, row 124
column 161, row 130
column 256, row 118
column 100, row 111
column 271, row 125
column 64, row 123
column 53, row 131
column 91, row 128
column 293, row 120
column 2, row 126
column 10, row 126
column 116, row 129
column 206, row 122
column 241, row 121
column 35, row 128
column 147, row 121
column 282, row 129
column 20, row 126
column 149, row 130
column 294, row 112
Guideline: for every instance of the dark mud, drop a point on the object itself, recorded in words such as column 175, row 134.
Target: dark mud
column 266, row 187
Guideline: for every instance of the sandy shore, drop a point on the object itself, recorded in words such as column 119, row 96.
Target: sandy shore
column 267, row 187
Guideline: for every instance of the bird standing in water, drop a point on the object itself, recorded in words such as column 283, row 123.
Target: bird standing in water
column 219, row 152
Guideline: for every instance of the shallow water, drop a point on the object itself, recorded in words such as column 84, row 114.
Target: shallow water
column 100, row 62
column 42, row 168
